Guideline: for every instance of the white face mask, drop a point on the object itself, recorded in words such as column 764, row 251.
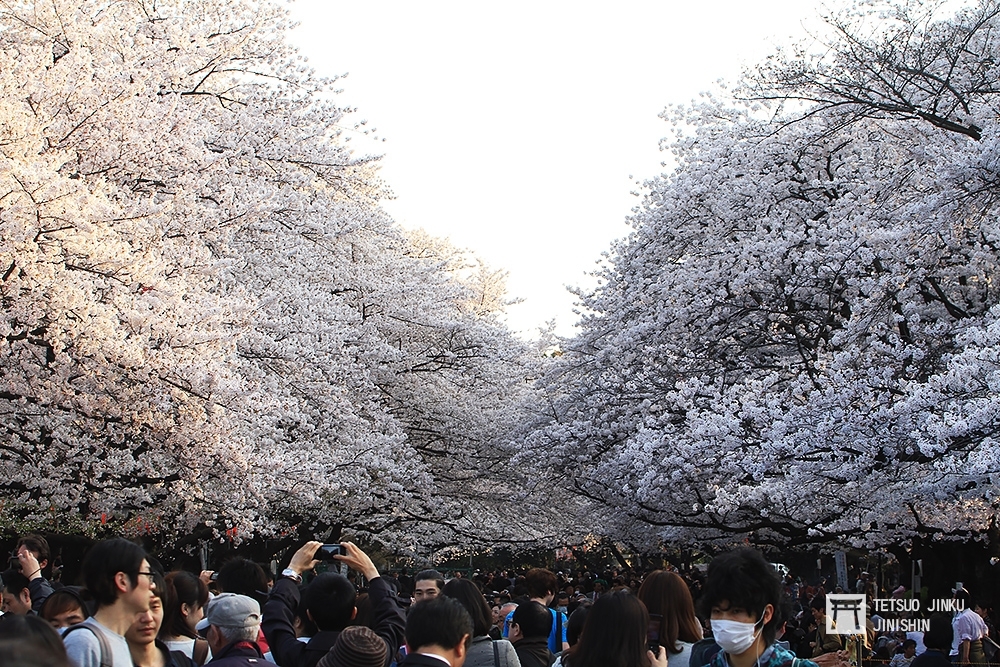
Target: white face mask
column 735, row 637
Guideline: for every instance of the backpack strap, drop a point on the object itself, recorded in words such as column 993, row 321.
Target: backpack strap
column 101, row 640
column 496, row 654
column 200, row 652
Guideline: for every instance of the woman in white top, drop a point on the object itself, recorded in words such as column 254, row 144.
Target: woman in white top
column 183, row 606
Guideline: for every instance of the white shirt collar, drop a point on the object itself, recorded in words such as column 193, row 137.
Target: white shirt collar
column 439, row 657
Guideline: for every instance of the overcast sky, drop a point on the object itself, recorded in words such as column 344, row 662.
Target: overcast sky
column 513, row 128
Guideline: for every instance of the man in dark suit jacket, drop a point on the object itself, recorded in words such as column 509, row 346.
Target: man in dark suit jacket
column 438, row 634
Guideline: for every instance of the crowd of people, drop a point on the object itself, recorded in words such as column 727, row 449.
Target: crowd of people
column 738, row 613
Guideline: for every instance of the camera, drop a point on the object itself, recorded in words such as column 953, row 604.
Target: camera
column 328, row 551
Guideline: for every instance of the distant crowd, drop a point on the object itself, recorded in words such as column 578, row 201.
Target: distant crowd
column 128, row 611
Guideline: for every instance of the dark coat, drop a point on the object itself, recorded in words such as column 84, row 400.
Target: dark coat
column 40, row 590
column 240, row 654
column 534, row 652
column 279, row 615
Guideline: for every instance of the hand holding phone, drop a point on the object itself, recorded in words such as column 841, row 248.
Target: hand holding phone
column 658, row 658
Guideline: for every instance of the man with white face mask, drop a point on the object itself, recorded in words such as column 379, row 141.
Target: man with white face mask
column 742, row 595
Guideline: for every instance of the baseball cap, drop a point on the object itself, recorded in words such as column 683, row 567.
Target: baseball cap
column 229, row 610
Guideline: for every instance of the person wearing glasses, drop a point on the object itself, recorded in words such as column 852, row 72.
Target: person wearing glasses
column 118, row 576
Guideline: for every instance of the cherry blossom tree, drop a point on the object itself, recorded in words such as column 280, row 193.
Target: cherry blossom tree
column 793, row 344
column 209, row 323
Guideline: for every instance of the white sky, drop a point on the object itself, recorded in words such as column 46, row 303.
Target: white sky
column 513, row 128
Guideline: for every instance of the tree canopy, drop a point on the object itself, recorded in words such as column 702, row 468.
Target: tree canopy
column 209, row 322
column 211, row 326
column 797, row 342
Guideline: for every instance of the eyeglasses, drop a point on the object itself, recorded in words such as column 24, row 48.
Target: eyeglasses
column 151, row 575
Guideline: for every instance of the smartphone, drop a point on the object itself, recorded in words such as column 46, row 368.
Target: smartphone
column 328, row 551
column 653, row 633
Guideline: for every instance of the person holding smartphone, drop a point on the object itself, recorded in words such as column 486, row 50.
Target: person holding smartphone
column 671, row 609
column 329, row 602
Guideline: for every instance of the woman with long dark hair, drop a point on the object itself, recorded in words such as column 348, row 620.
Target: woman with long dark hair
column 666, row 594
column 614, row 635
column 183, row 606
column 484, row 651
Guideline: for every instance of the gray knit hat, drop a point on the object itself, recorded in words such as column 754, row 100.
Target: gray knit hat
column 357, row 646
